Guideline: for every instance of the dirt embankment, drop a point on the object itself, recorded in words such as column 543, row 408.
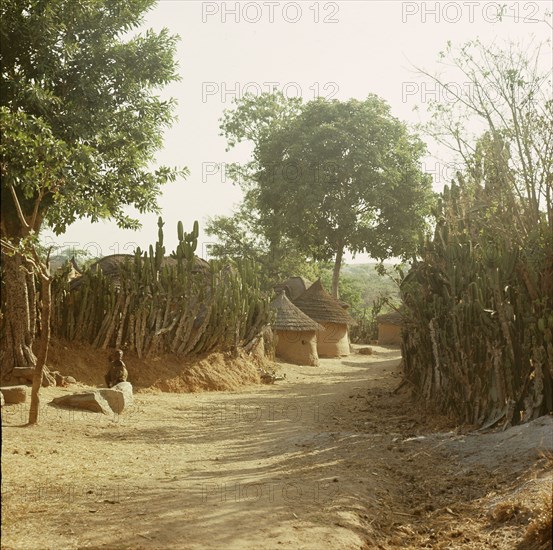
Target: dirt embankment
column 213, row 372
column 332, row 457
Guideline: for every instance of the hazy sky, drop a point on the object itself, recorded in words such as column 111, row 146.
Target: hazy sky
column 334, row 49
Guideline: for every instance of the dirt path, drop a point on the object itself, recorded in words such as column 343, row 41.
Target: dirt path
column 329, row 458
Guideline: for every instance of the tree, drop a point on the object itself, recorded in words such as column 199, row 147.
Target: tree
column 336, row 176
column 479, row 302
column 81, row 121
column 506, row 100
column 507, row 94
column 241, row 236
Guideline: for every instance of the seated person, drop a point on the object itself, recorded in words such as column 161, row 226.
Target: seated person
column 117, row 371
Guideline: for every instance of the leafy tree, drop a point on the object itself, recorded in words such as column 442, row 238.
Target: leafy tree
column 506, row 100
column 350, row 290
column 333, row 176
column 487, row 274
column 243, row 234
column 506, row 94
column 81, row 121
column 240, row 236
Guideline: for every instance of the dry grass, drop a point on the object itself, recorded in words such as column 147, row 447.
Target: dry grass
column 538, row 535
column 528, row 507
column 509, row 511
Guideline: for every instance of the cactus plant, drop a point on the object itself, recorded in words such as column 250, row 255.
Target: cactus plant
column 155, row 305
column 466, row 347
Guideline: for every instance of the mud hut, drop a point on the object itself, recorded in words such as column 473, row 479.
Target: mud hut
column 295, row 333
column 111, row 267
column 333, row 338
column 389, row 329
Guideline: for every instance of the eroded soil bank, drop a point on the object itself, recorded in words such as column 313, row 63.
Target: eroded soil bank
column 331, row 457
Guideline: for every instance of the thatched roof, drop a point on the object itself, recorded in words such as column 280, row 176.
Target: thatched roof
column 60, row 262
column 318, row 304
column 293, row 286
column 110, row 266
column 289, row 317
column 392, row 318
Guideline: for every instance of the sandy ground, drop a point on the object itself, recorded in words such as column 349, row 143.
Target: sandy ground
column 331, row 458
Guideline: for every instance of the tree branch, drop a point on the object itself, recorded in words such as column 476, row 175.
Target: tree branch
column 20, row 214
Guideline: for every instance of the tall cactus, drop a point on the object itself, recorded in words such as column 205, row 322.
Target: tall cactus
column 469, row 344
column 157, row 304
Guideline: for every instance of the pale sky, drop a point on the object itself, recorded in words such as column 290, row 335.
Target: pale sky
column 339, row 49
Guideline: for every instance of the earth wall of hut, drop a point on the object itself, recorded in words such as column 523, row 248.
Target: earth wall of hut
column 299, row 348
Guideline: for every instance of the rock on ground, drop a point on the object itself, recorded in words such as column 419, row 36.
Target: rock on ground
column 89, row 401
column 14, row 394
column 119, row 397
column 63, row 381
column 25, row 375
column 104, row 400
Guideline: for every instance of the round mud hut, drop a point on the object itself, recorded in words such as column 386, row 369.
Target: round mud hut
column 295, row 333
column 389, row 328
column 333, row 338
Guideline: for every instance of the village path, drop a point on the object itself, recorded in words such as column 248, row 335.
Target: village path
column 332, row 457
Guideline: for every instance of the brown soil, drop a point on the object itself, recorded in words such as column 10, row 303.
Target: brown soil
column 331, row 457
column 214, row 372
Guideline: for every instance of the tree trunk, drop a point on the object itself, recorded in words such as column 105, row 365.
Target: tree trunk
column 336, row 271
column 42, row 353
column 18, row 333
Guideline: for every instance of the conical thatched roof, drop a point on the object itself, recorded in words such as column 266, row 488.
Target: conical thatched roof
column 318, row 304
column 392, row 318
column 289, row 317
column 294, row 287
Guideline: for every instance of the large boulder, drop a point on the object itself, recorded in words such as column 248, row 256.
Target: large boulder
column 119, row 396
column 88, row 401
column 14, row 394
column 103, row 400
column 25, row 375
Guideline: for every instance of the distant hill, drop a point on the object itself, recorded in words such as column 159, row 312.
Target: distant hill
column 361, row 285
column 372, row 285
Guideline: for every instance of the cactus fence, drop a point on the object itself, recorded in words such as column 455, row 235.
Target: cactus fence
column 154, row 304
column 479, row 316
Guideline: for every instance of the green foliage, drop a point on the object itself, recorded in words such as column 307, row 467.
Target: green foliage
column 255, row 118
column 238, row 239
column 368, row 294
column 366, row 328
column 371, row 286
column 344, row 175
column 79, row 99
column 330, row 176
column 478, row 338
column 350, row 289
column 32, row 158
